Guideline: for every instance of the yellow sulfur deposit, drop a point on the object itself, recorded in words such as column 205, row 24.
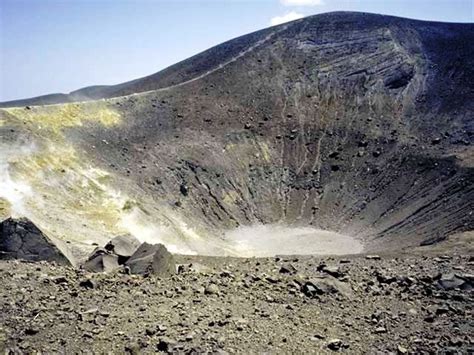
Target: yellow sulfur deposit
column 55, row 118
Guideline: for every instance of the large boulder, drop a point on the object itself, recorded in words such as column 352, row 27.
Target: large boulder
column 114, row 254
column 152, row 259
column 102, row 261
column 21, row 239
column 124, row 246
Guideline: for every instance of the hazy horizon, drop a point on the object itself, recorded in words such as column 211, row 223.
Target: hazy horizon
column 57, row 46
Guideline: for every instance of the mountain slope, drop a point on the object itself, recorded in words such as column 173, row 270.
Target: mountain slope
column 354, row 123
column 175, row 74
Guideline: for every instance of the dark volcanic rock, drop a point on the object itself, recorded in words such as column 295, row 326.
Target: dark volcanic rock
column 184, row 189
column 21, row 239
column 88, row 284
column 152, row 259
column 288, row 269
column 336, row 345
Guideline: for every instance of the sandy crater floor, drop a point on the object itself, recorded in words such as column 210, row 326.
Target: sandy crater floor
column 271, row 240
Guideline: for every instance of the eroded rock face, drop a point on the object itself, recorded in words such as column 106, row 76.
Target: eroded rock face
column 21, row 239
column 152, row 259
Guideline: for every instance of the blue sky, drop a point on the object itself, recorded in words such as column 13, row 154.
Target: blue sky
column 61, row 45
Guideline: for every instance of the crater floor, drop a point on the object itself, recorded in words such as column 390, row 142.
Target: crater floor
column 272, row 240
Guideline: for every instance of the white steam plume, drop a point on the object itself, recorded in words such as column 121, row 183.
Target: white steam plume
column 13, row 190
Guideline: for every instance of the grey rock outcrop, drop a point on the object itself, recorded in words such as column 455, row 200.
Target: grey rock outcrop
column 21, row 239
column 152, row 259
column 114, row 254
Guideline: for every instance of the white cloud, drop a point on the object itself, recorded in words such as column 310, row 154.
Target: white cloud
column 302, row 2
column 290, row 16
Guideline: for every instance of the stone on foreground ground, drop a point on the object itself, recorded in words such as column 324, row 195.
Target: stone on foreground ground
column 126, row 253
column 402, row 304
column 152, row 259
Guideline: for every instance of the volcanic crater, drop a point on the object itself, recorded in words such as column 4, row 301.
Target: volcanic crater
column 339, row 133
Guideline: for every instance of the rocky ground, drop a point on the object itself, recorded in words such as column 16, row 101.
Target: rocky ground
column 405, row 304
